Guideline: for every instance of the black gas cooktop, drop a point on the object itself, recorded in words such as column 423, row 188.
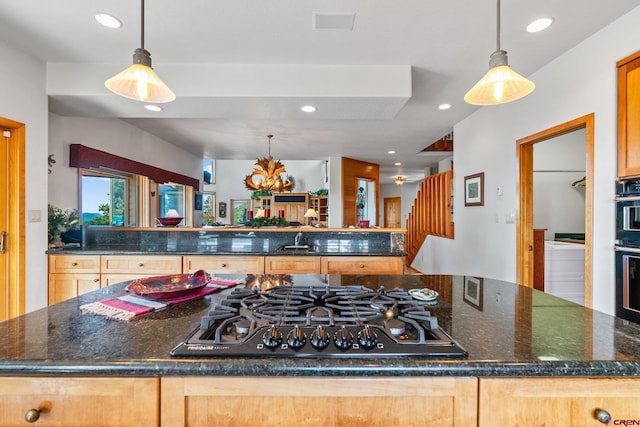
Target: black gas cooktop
column 319, row 321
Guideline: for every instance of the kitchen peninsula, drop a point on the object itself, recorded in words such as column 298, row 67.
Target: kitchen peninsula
column 111, row 255
column 532, row 359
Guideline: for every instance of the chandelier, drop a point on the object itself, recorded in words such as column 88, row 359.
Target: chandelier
column 267, row 175
column 399, row 180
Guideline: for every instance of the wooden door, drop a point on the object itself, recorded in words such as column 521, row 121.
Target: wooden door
column 392, row 208
column 12, row 268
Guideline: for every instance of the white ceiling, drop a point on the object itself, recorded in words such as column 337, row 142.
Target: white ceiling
column 242, row 69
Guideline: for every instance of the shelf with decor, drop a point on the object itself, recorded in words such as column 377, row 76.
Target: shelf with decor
column 321, row 205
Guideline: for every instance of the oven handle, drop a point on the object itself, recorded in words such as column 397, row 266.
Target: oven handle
column 627, row 198
column 627, row 249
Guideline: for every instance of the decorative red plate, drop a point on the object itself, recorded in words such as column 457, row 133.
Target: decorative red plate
column 174, row 286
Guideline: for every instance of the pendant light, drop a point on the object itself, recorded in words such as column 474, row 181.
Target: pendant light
column 139, row 82
column 501, row 84
column 267, row 175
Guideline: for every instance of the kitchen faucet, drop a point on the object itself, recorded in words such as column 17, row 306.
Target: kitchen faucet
column 296, row 240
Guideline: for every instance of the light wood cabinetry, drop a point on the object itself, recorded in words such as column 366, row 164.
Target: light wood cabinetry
column 221, row 264
column 303, row 401
column 321, row 205
column 292, row 265
column 556, row 401
column 70, row 401
column 361, row 265
column 72, row 275
column 294, row 205
column 141, row 264
column 629, row 116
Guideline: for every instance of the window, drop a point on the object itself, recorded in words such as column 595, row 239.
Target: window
column 171, row 198
column 108, row 198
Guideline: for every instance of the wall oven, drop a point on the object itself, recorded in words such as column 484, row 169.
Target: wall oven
column 627, row 250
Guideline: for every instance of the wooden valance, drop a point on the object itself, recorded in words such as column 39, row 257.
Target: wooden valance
column 85, row 157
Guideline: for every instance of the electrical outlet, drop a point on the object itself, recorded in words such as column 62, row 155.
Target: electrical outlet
column 498, row 298
column 35, row 215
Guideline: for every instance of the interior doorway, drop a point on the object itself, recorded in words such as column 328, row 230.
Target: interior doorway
column 392, row 212
column 12, row 183
column 524, row 223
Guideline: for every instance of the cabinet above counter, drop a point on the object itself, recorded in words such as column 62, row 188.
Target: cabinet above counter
column 298, row 241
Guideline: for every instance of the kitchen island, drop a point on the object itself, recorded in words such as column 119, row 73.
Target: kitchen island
column 527, row 352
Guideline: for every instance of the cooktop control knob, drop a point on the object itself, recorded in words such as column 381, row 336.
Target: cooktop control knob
column 272, row 339
column 343, row 339
column 319, row 338
column 296, row 338
column 367, row 338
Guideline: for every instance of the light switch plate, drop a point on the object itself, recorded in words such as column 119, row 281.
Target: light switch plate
column 35, row 215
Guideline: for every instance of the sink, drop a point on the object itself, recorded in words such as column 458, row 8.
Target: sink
column 294, row 247
column 299, row 249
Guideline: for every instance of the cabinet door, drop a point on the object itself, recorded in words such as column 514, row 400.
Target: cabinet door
column 629, row 116
column 556, row 401
column 292, row 265
column 152, row 265
column 221, row 264
column 362, row 265
column 74, row 263
column 65, row 286
column 79, row 402
column 111, row 279
column 324, row 402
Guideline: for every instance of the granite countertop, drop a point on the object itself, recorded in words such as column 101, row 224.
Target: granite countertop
column 508, row 330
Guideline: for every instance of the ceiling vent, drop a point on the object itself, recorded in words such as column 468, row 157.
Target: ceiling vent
column 333, row 20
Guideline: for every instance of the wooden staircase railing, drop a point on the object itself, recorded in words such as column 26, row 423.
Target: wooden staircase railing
column 430, row 213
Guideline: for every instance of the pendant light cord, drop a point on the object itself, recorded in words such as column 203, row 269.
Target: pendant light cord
column 142, row 23
column 498, row 27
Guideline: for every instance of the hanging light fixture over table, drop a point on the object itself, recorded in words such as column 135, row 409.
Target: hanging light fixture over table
column 501, row 84
column 399, row 180
column 139, row 82
column 267, row 176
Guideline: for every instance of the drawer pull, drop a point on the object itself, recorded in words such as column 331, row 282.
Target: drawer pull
column 223, row 265
column 74, row 264
column 32, row 415
column 141, row 264
column 361, row 265
column 96, row 280
column 603, row 416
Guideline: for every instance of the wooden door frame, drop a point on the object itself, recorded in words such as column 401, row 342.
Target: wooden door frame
column 16, row 217
column 524, row 220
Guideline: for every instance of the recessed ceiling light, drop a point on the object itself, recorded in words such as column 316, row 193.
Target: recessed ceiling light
column 107, row 20
column 397, row 164
column 539, row 25
column 391, row 152
column 308, row 108
column 155, row 108
column 444, row 106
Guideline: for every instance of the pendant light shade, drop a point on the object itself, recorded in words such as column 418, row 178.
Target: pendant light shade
column 139, row 82
column 500, row 84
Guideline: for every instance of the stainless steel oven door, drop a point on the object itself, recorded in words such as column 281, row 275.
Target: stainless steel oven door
column 628, row 283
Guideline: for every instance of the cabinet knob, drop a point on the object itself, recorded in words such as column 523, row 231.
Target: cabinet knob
column 141, row 264
column 223, row 265
column 603, row 416
column 361, row 265
column 74, row 264
column 32, row 415
column 96, row 280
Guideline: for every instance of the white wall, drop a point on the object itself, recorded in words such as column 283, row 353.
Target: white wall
column 558, row 162
column 24, row 99
column 309, row 176
column 113, row 136
column 581, row 81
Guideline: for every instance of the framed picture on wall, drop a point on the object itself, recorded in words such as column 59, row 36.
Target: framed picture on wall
column 474, row 190
column 473, row 292
column 222, row 210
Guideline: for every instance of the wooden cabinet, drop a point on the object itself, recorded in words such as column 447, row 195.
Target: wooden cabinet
column 72, row 275
column 556, row 401
column 292, row 265
column 294, row 205
column 70, row 401
column 629, row 116
column 222, row 264
column 361, row 265
column 321, row 205
column 141, row 264
column 328, row 401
